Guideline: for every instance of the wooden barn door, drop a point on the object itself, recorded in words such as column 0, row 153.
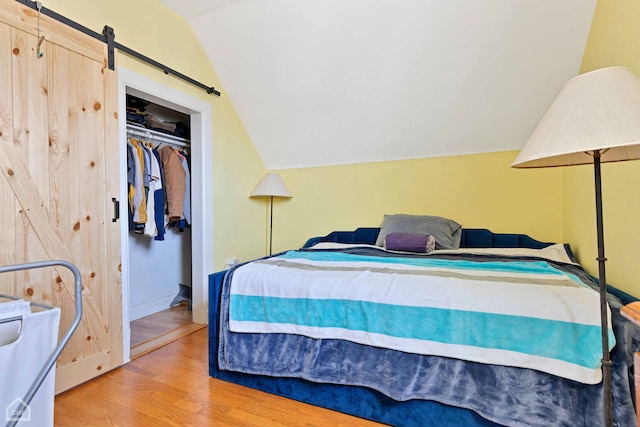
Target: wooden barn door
column 58, row 173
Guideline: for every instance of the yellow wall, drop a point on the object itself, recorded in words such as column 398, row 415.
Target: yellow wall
column 152, row 29
column 476, row 190
column 614, row 40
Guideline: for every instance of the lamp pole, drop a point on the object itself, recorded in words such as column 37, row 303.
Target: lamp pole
column 271, row 226
column 606, row 359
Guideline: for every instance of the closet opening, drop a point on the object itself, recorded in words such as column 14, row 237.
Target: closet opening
column 163, row 210
column 159, row 218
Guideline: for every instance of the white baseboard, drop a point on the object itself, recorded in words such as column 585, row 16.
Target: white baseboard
column 153, row 304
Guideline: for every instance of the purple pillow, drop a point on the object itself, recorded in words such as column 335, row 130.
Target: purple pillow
column 408, row 242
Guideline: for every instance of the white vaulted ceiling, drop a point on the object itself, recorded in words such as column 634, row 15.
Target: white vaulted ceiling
column 323, row 82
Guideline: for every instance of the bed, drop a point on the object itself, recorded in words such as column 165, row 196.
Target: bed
column 428, row 375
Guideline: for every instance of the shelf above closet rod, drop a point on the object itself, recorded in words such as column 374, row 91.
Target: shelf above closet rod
column 153, row 135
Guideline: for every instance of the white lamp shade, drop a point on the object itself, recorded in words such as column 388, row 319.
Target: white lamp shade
column 271, row 185
column 599, row 110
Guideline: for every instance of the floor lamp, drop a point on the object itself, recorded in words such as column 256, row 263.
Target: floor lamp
column 594, row 119
column 271, row 185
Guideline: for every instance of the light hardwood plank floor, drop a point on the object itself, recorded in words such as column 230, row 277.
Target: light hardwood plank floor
column 171, row 387
column 158, row 329
column 156, row 324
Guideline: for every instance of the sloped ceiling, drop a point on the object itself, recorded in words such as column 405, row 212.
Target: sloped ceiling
column 325, row 82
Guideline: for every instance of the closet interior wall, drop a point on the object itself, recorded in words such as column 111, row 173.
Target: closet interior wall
column 158, row 267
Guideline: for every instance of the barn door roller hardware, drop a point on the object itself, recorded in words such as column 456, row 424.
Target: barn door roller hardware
column 108, row 37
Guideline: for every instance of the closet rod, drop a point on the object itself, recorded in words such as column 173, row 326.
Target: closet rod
column 107, row 37
column 156, row 136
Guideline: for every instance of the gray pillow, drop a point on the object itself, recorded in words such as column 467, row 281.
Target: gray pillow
column 446, row 231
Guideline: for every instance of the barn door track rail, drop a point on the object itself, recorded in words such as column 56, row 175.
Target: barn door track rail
column 108, row 37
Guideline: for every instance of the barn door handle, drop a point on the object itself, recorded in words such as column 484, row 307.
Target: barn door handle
column 116, row 209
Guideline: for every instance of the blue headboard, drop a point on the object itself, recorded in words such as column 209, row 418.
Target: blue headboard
column 471, row 238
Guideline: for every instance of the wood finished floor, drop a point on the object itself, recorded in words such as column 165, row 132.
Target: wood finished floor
column 158, row 329
column 171, row 387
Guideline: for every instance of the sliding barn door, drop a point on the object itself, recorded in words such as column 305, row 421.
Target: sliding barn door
column 58, row 173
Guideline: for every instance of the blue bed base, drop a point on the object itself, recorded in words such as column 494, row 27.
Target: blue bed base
column 358, row 401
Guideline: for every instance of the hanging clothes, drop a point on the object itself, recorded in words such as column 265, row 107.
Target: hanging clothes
column 160, row 199
column 137, row 196
column 186, row 207
column 155, row 183
column 159, row 188
column 175, row 182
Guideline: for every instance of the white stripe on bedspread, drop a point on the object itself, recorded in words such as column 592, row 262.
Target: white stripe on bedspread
column 527, row 315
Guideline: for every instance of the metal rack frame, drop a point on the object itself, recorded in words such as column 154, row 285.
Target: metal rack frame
column 44, row 371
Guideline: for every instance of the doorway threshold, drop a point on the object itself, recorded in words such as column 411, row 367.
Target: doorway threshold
column 159, row 329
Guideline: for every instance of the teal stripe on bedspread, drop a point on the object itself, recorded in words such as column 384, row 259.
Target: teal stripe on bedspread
column 537, row 267
column 546, row 338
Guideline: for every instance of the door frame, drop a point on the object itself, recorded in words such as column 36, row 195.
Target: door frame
column 201, row 183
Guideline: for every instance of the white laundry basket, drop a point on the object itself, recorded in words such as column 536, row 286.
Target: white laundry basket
column 27, row 341
column 28, row 352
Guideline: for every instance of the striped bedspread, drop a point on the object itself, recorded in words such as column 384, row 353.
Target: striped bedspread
column 514, row 311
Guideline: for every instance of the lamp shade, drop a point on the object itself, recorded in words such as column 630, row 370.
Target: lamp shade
column 271, row 185
column 598, row 110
